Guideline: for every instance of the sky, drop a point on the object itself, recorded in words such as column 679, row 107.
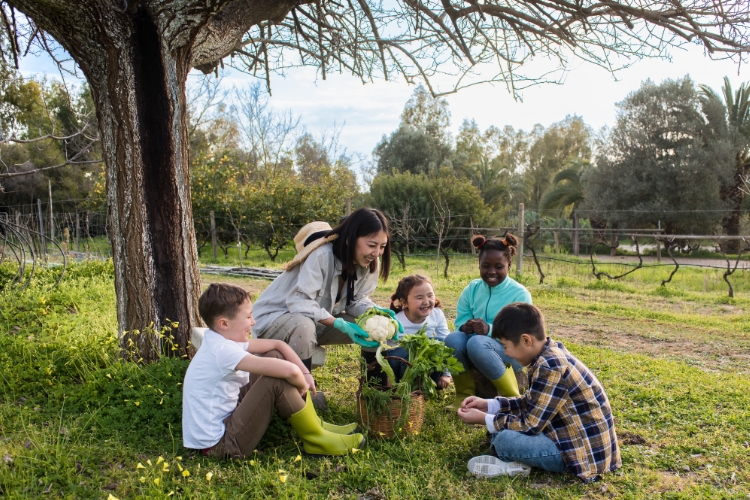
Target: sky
column 366, row 112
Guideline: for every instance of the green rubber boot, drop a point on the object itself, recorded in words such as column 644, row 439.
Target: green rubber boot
column 464, row 383
column 336, row 429
column 318, row 441
column 507, row 386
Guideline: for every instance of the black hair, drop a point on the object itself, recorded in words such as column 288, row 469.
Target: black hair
column 506, row 244
column 221, row 300
column 362, row 222
column 516, row 319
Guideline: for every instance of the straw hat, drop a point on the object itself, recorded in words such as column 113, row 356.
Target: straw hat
column 302, row 236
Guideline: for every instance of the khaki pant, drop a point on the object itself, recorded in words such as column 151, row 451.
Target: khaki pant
column 303, row 334
column 255, row 406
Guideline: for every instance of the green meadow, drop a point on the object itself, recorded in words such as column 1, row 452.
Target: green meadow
column 77, row 422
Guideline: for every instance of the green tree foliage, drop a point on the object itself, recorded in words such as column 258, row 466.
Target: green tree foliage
column 424, row 211
column 728, row 115
column 36, row 112
column 659, row 163
column 422, row 142
column 271, row 210
column 481, row 160
column 551, row 150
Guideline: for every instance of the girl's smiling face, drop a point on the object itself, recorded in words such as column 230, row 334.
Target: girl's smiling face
column 493, row 267
column 369, row 248
column 419, row 303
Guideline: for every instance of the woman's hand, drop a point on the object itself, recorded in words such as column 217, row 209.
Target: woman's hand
column 443, row 381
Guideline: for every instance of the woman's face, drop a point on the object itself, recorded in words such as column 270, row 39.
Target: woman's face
column 420, row 302
column 369, row 248
column 493, row 267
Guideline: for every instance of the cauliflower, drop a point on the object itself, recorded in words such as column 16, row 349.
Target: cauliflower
column 378, row 325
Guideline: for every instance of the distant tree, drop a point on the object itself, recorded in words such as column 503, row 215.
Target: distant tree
column 551, row 149
column 567, row 191
column 46, row 135
column 728, row 116
column 474, row 158
column 428, row 209
column 422, row 142
column 658, row 164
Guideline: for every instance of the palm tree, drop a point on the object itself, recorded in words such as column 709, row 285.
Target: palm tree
column 567, row 190
column 491, row 180
column 736, row 120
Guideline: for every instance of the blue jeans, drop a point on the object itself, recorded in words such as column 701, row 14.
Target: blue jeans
column 481, row 352
column 537, row 451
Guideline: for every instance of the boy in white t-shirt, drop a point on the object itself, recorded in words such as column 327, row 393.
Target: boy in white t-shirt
column 224, row 413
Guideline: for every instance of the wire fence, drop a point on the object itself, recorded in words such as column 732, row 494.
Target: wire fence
column 552, row 247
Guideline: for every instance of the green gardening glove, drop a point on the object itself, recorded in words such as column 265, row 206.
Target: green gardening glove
column 392, row 314
column 358, row 335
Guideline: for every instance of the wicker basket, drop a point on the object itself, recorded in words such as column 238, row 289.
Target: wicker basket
column 384, row 425
column 390, row 421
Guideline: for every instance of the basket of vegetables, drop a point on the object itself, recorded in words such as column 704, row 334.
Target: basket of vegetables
column 397, row 408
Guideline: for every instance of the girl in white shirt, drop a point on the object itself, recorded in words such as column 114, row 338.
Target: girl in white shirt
column 416, row 306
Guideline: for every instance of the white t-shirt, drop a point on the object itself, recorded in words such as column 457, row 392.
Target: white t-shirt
column 211, row 390
column 437, row 326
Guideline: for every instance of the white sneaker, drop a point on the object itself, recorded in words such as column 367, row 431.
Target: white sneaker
column 489, row 466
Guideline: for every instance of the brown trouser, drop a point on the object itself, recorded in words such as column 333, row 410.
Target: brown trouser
column 249, row 421
column 303, row 334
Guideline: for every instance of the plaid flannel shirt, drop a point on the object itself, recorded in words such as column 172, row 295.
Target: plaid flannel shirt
column 567, row 403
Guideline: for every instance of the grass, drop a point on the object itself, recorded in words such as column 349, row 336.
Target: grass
column 75, row 421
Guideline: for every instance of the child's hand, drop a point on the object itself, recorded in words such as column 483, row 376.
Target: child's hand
column 471, row 415
column 474, row 402
column 443, row 381
column 480, row 327
column 310, row 383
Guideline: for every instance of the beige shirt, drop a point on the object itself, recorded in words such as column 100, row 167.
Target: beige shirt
column 310, row 289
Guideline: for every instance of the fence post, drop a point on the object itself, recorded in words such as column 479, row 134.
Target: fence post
column 348, row 207
column 51, row 217
column 213, row 233
column 78, row 242
column 576, row 244
column 658, row 246
column 41, row 227
column 521, row 227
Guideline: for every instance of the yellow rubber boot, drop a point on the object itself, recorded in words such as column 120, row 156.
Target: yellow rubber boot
column 507, row 386
column 464, row 383
column 318, row 441
column 337, row 429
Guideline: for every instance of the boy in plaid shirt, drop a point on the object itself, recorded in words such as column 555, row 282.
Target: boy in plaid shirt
column 562, row 423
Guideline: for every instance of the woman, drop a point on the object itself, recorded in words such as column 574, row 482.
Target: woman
column 326, row 285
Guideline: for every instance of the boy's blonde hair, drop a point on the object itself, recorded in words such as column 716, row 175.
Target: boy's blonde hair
column 221, row 299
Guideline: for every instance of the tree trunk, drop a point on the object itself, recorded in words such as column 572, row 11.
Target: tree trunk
column 136, row 66
column 142, row 117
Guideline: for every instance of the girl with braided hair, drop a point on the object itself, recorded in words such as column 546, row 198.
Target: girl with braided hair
column 477, row 307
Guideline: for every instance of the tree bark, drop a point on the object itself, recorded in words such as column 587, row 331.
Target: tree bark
column 137, row 70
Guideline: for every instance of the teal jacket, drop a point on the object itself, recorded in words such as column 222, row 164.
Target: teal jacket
column 479, row 301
